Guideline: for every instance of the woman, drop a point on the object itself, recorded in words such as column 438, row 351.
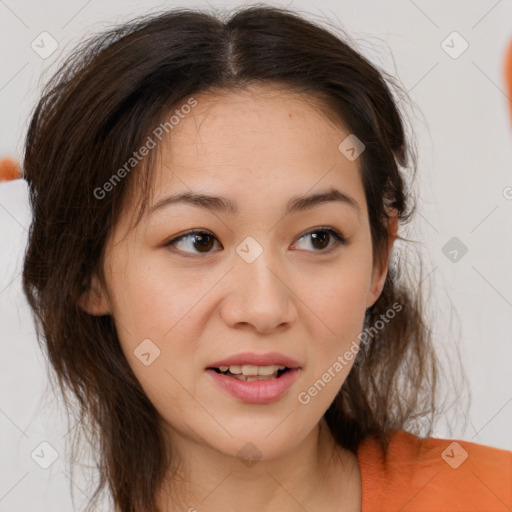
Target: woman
column 215, row 209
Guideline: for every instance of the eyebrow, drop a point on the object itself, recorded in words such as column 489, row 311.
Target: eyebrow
column 226, row 205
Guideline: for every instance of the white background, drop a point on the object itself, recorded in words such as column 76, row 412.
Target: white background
column 463, row 134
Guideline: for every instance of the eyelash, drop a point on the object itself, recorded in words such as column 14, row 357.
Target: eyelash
column 339, row 239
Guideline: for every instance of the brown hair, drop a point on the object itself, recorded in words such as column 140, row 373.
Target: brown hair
column 97, row 109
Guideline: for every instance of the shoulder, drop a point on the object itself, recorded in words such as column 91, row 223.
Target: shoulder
column 431, row 474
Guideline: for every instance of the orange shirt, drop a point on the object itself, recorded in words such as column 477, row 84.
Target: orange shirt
column 434, row 475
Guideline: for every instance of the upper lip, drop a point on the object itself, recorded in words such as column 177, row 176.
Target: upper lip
column 252, row 358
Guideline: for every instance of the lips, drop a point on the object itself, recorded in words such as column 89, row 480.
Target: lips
column 255, row 392
column 260, row 390
column 255, row 359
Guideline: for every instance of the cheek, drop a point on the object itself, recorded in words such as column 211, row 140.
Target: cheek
column 152, row 317
column 153, row 301
column 338, row 294
column 155, row 311
column 335, row 304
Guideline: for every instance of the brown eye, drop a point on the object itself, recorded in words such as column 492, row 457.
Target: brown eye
column 320, row 239
column 200, row 241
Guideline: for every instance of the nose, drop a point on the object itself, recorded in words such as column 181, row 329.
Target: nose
column 259, row 296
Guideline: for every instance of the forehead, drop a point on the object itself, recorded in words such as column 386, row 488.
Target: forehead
column 259, row 135
column 262, row 116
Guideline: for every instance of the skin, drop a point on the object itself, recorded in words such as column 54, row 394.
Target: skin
column 259, row 147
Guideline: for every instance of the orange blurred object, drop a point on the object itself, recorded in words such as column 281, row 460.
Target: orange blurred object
column 9, row 170
column 508, row 76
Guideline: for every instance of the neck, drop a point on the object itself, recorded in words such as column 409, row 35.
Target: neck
column 307, row 477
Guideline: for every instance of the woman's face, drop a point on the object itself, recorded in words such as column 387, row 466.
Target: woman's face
column 261, row 281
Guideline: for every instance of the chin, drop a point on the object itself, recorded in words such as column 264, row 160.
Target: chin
column 252, row 444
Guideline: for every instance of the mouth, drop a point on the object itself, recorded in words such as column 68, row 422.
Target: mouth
column 254, row 389
column 255, row 378
column 251, row 372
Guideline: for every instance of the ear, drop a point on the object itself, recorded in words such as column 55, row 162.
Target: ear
column 380, row 268
column 94, row 300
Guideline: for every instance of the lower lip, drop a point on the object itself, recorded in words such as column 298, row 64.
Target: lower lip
column 255, row 391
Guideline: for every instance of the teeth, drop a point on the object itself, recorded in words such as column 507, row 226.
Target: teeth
column 252, row 371
column 257, row 377
column 249, row 370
